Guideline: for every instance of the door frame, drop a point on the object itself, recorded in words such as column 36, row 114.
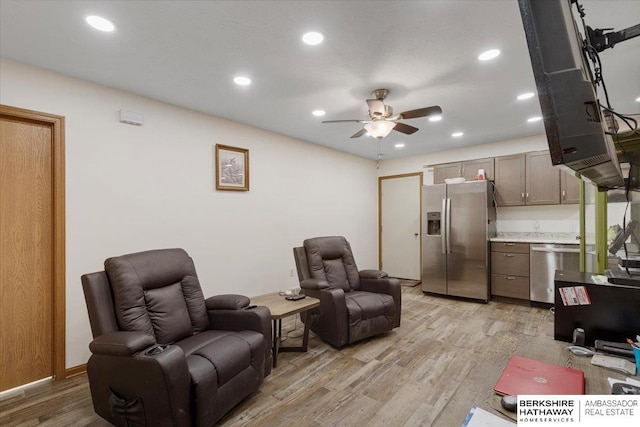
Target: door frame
column 380, row 179
column 56, row 123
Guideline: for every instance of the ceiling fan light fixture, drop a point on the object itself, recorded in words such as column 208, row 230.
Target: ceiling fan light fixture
column 379, row 128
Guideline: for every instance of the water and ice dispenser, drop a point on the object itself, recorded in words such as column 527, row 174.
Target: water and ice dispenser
column 433, row 223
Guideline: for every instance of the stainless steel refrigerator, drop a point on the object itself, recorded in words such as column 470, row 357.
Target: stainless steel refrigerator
column 458, row 221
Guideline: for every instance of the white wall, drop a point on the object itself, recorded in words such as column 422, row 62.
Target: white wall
column 134, row 188
column 557, row 218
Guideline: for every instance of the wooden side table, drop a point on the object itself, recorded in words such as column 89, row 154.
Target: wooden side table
column 281, row 308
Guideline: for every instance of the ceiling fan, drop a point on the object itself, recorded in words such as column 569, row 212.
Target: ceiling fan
column 382, row 121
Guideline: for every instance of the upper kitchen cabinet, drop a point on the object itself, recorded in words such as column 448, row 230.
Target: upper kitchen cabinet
column 510, row 180
column 569, row 188
column 446, row 170
column 542, row 179
column 468, row 169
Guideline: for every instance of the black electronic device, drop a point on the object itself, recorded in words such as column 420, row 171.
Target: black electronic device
column 616, row 348
column 623, row 388
column 622, row 237
column 295, row 297
column 566, row 91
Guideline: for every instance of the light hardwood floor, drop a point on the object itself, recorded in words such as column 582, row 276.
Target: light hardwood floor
column 445, row 357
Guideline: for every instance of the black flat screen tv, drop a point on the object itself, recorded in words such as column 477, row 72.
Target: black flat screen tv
column 568, row 98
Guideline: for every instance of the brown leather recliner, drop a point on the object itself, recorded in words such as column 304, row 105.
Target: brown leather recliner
column 162, row 355
column 354, row 305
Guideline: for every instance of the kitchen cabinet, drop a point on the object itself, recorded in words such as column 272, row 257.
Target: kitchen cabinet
column 510, row 270
column 542, row 179
column 446, row 170
column 467, row 169
column 510, row 180
column 470, row 169
column 569, row 188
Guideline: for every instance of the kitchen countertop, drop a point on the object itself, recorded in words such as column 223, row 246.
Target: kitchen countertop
column 538, row 237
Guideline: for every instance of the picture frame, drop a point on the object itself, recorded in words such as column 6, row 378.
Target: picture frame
column 232, row 168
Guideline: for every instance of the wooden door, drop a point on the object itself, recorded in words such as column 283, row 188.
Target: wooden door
column 543, row 179
column 510, row 180
column 400, row 241
column 31, row 276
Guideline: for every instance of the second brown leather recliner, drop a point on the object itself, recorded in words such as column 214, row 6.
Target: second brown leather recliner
column 354, row 305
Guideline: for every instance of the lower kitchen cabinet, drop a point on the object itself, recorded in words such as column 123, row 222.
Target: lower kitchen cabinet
column 510, row 270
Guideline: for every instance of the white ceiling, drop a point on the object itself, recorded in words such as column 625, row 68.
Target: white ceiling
column 425, row 52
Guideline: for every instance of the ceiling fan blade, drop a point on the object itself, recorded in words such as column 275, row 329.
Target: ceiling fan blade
column 405, row 128
column 359, row 133
column 421, row 112
column 343, row 121
column 376, row 107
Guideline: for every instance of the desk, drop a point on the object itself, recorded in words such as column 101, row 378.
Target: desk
column 280, row 308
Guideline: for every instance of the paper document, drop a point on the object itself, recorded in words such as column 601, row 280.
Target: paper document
column 478, row 417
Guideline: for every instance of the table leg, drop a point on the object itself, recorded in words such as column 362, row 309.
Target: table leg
column 277, row 335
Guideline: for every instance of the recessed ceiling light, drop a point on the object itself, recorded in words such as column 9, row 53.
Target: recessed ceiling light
column 457, row 134
column 100, row 23
column 242, row 80
column 534, row 119
column 318, row 113
column 524, row 96
column 400, row 145
column 435, row 118
column 638, row 99
column 312, row 38
column 489, row 54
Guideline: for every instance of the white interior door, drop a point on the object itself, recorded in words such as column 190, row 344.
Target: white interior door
column 400, row 225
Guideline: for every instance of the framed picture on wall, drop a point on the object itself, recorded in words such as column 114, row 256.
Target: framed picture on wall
column 232, row 168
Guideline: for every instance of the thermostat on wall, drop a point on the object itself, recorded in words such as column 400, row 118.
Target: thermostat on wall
column 131, row 117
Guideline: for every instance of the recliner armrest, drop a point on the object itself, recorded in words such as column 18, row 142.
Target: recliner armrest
column 121, row 343
column 372, row 274
column 314, row 284
column 381, row 286
column 227, row 302
column 252, row 319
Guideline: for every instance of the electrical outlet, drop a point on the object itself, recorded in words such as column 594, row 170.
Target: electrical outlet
column 536, row 225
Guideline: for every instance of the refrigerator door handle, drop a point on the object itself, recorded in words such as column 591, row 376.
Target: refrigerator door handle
column 443, row 232
column 448, row 226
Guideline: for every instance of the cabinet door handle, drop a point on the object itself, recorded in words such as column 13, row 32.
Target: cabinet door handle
column 564, row 195
column 522, row 196
column 509, row 278
column 509, row 244
column 509, row 255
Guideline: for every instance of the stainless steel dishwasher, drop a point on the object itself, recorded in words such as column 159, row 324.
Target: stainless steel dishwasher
column 544, row 260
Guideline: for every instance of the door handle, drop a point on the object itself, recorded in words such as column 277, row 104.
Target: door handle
column 416, row 234
column 449, row 226
column 509, row 278
column 509, row 255
column 443, row 229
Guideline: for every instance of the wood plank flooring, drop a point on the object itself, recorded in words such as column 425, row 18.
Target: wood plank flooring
column 445, row 357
